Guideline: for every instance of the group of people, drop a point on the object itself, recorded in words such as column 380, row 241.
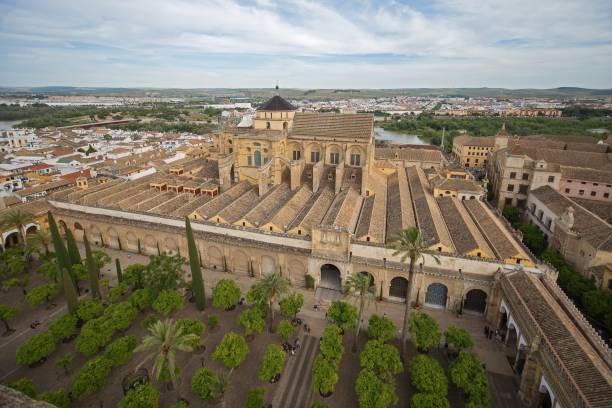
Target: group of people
column 490, row 334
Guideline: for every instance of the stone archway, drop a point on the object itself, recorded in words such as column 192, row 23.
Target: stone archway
column 132, row 241
column 369, row 276
column 437, row 294
column 214, row 256
column 150, row 245
column 297, row 273
column 11, row 240
column 399, row 288
column 475, row 301
column 330, row 277
column 31, row 230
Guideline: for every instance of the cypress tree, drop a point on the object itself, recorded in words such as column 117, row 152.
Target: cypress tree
column 119, row 242
column 92, row 269
column 73, row 250
column 158, row 250
column 119, row 273
column 70, row 292
column 58, row 244
column 139, row 249
column 197, row 282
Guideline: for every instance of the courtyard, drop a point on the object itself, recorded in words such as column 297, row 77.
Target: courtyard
column 295, row 386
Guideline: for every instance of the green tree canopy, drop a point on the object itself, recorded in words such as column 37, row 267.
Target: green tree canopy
column 255, row 398
column 458, row 338
column 286, row 329
column 424, row 330
column 272, row 363
column 91, row 377
column 143, row 396
column 324, row 375
column 252, row 320
column 372, row 392
column 467, row 373
column 42, row 294
column 343, row 314
column 231, row 351
column 64, row 327
column 164, row 272
column 425, row 400
column 291, row 305
column 382, row 359
column 428, row 376
column 226, row 294
column 168, row 301
column 120, row 351
column 208, row 385
column 35, row 348
column 381, row 328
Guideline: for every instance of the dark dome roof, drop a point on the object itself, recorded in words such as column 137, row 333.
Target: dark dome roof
column 276, row 103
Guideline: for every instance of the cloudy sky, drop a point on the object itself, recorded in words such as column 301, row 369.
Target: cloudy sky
column 306, row 44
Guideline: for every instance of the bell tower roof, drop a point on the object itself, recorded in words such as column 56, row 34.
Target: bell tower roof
column 276, row 103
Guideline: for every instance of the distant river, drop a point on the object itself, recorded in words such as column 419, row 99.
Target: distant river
column 8, row 124
column 382, row 134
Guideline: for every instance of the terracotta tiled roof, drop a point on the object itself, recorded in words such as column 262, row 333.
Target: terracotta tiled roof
column 565, row 157
column 590, row 227
column 423, row 213
column 579, row 360
column 419, row 155
column 276, row 103
column 467, row 140
column 333, row 125
column 580, row 173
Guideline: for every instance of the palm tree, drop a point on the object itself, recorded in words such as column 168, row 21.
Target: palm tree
column 271, row 287
column 17, row 219
column 165, row 338
column 360, row 285
column 40, row 240
column 409, row 243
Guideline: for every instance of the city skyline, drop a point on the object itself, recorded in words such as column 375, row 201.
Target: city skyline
column 301, row 44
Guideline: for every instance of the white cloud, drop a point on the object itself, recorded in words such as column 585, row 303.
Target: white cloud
column 190, row 43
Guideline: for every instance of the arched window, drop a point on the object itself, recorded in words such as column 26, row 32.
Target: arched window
column 257, row 158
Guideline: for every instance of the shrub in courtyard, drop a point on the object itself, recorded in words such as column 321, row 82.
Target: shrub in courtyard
column 208, row 385
column 382, row 359
column 142, row 298
column 115, row 293
column 58, row 397
column 180, row 404
column 458, row 338
column 120, row 315
column 35, row 349
column 42, row 294
column 309, row 281
column 426, row 400
column 272, row 363
column 372, row 392
column 331, row 344
column 467, row 373
column 168, row 301
column 324, row 375
column 424, row 331
column 148, row 321
column 24, row 385
column 286, row 329
column 291, row 305
column 427, row 375
column 6, row 314
column 65, row 362
column 94, row 335
column 252, row 321
column 91, row 377
column 381, row 328
column 89, row 309
column 231, row 351
column 213, row 321
column 343, row 314
column 121, row 350
column 226, row 294
column 164, row 272
column 318, row 404
column 255, row 398
column 192, row 326
column 64, row 327
column 143, row 396
column 133, row 275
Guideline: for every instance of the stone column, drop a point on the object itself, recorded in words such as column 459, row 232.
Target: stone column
column 530, row 379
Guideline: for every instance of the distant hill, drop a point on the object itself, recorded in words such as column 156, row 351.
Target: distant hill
column 311, row 94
